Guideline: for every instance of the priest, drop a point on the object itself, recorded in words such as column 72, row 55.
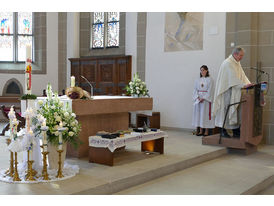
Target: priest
column 230, row 80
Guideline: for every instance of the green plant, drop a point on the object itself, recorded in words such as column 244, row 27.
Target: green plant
column 28, row 96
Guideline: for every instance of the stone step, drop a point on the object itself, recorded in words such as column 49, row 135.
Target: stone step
column 231, row 174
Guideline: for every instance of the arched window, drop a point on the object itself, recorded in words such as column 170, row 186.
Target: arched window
column 105, row 30
column 16, row 32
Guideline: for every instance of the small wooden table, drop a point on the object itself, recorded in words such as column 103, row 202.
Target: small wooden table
column 102, row 150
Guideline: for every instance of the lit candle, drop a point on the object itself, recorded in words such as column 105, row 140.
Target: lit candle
column 72, row 81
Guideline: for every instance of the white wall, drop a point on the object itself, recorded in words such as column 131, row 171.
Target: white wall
column 170, row 76
column 39, row 82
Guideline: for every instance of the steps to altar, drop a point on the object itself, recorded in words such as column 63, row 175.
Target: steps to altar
column 183, row 152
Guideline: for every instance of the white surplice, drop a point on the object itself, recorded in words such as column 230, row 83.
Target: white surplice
column 202, row 110
column 231, row 78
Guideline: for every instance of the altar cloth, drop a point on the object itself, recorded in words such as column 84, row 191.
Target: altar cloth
column 112, row 144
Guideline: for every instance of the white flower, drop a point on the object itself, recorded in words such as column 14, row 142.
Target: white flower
column 138, row 92
column 61, row 103
column 71, row 134
column 66, row 114
column 52, row 107
column 130, row 83
column 56, row 133
column 72, row 124
column 73, row 114
column 76, row 122
column 58, row 118
column 40, row 102
column 74, row 129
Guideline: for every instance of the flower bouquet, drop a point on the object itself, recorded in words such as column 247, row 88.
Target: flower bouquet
column 54, row 111
column 136, row 87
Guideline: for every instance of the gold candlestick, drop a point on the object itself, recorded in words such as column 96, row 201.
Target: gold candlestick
column 16, row 176
column 30, row 172
column 30, row 175
column 45, row 171
column 10, row 171
column 59, row 173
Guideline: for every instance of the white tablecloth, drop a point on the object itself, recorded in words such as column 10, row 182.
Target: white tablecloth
column 112, row 144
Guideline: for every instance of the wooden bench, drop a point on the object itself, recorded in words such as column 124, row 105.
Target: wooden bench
column 101, row 150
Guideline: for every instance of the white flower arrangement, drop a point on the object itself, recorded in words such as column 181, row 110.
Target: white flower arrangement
column 137, row 87
column 54, row 113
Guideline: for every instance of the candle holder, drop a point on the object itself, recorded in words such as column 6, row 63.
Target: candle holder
column 30, row 176
column 16, row 175
column 45, row 171
column 10, row 171
column 59, row 173
column 30, row 172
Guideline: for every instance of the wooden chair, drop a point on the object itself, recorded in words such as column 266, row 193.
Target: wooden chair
column 5, row 111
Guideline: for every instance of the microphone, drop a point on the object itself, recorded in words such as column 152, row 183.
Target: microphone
column 91, row 87
column 259, row 70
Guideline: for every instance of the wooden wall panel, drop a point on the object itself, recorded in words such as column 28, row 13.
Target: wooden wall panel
column 109, row 75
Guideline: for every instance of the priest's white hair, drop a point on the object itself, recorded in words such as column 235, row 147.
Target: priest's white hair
column 237, row 49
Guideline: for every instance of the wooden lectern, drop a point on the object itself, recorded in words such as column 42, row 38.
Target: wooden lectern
column 251, row 125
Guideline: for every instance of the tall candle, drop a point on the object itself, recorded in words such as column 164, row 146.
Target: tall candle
column 31, row 145
column 28, row 70
column 28, row 52
column 72, row 81
column 60, row 141
column 61, row 124
column 44, row 123
column 45, row 142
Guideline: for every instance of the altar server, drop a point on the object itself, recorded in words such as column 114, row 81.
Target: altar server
column 230, row 80
column 203, row 97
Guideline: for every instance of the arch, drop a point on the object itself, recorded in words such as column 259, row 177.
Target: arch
column 12, row 88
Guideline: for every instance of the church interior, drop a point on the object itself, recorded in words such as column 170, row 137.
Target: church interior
column 100, row 53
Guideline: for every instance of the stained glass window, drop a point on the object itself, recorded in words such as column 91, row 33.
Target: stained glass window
column 98, row 17
column 6, row 48
column 113, row 16
column 22, row 33
column 105, row 27
column 113, row 34
column 98, row 36
column 21, row 45
column 24, row 23
column 6, row 22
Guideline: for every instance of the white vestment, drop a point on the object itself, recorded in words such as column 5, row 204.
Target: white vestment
column 202, row 110
column 231, row 78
